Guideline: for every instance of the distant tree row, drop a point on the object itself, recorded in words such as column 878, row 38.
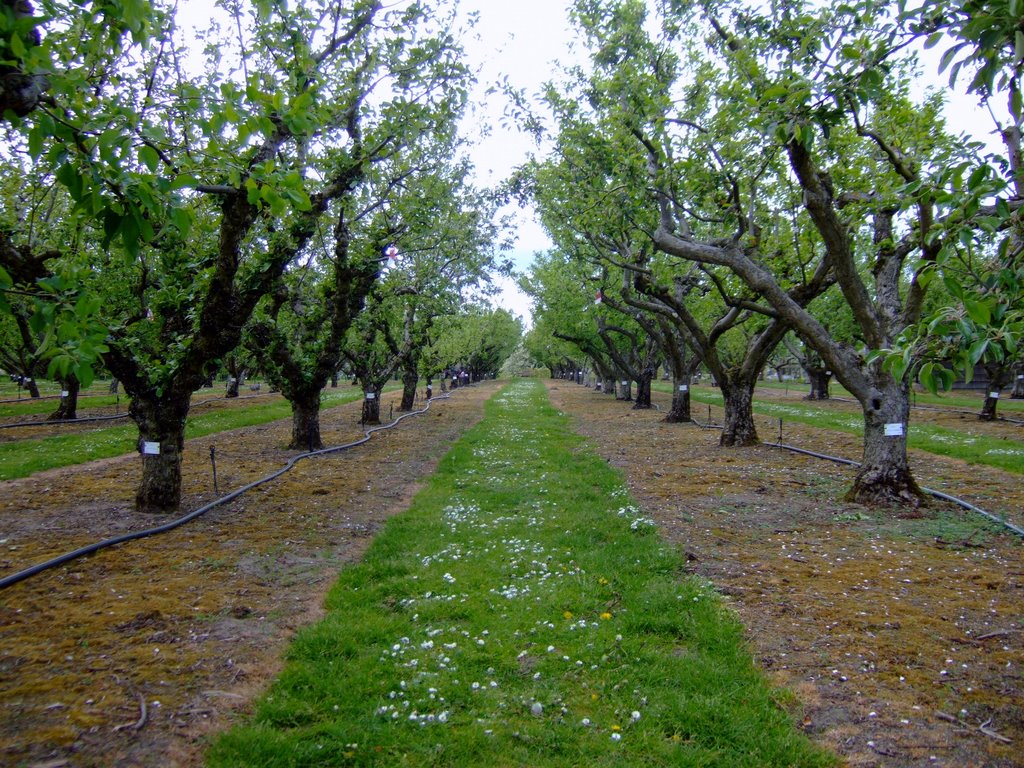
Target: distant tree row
column 728, row 179
column 289, row 196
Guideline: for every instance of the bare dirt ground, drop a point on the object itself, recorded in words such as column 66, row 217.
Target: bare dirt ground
column 129, row 657
column 902, row 639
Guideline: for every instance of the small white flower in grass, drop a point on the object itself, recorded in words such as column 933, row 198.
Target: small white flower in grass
column 476, row 686
column 635, row 716
column 443, row 717
column 537, row 708
column 585, row 721
column 616, row 736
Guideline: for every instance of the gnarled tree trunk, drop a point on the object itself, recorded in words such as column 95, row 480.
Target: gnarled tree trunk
column 161, row 423
column 625, row 391
column 819, row 379
column 410, row 378
column 305, row 405
column 371, row 407
column 680, row 410
column 643, row 390
column 1018, row 387
column 739, row 429
column 884, row 476
column 68, row 408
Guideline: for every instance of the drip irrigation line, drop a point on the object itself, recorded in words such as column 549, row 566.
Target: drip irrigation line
column 45, row 423
column 938, row 408
column 67, row 557
column 931, row 492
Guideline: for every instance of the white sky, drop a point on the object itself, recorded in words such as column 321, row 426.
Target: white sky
column 520, row 40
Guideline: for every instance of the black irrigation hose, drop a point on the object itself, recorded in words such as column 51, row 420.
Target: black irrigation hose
column 938, row 408
column 45, row 423
column 937, row 494
column 14, row 578
column 89, row 419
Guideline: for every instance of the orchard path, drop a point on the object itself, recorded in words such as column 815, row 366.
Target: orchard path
column 880, row 627
column 902, row 639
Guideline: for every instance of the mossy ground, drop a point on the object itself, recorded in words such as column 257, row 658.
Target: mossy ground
column 881, row 625
column 840, row 602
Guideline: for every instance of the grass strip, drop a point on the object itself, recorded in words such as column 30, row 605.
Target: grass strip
column 22, row 458
column 522, row 612
column 996, row 452
column 968, row 400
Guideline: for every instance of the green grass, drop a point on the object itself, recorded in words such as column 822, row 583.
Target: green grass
column 523, row 612
column 957, row 399
column 1002, row 453
column 22, row 458
column 30, row 407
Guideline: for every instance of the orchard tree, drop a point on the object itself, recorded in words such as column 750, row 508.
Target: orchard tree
column 819, row 88
column 199, row 190
column 301, row 330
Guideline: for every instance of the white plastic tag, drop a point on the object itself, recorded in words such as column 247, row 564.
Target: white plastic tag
column 684, row 388
column 371, row 395
column 625, row 383
column 150, row 448
column 994, row 395
column 894, row 430
column 64, row 393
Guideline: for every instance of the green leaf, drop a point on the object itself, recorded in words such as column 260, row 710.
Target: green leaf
column 953, row 286
column 776, row 91
column 977, row 351
column 149, row 157
column 933, row 40
column 978, row 312
column 927, row 378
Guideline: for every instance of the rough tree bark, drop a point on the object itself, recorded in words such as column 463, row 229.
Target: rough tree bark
column 999, row 375
column 410, row 379
column 679, row 412
column 819, row 379
column 305, row 420
column 161, row 423
column 738, row 396
column 68, row 408
column 371, row 407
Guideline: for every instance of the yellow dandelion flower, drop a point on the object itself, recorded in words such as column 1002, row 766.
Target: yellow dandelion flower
column 567, row 615
column 605, row 616
column 616, row 728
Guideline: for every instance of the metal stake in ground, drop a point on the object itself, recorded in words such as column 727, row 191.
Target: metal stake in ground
column 213, row 463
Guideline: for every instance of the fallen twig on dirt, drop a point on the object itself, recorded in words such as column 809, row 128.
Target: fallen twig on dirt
column 143, row 716
column 983, row 728
column 998, row 633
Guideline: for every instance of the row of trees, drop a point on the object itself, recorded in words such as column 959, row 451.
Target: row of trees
column 729, row 177
column 292, row 194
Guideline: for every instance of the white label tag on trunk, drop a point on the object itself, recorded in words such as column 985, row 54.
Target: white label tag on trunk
column 1021, row 376
column 625, row 383
column 684, row 388
column 64, row 393
column 894, row 430
column 994, row 395
column 371, row 395
column 150, row 448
